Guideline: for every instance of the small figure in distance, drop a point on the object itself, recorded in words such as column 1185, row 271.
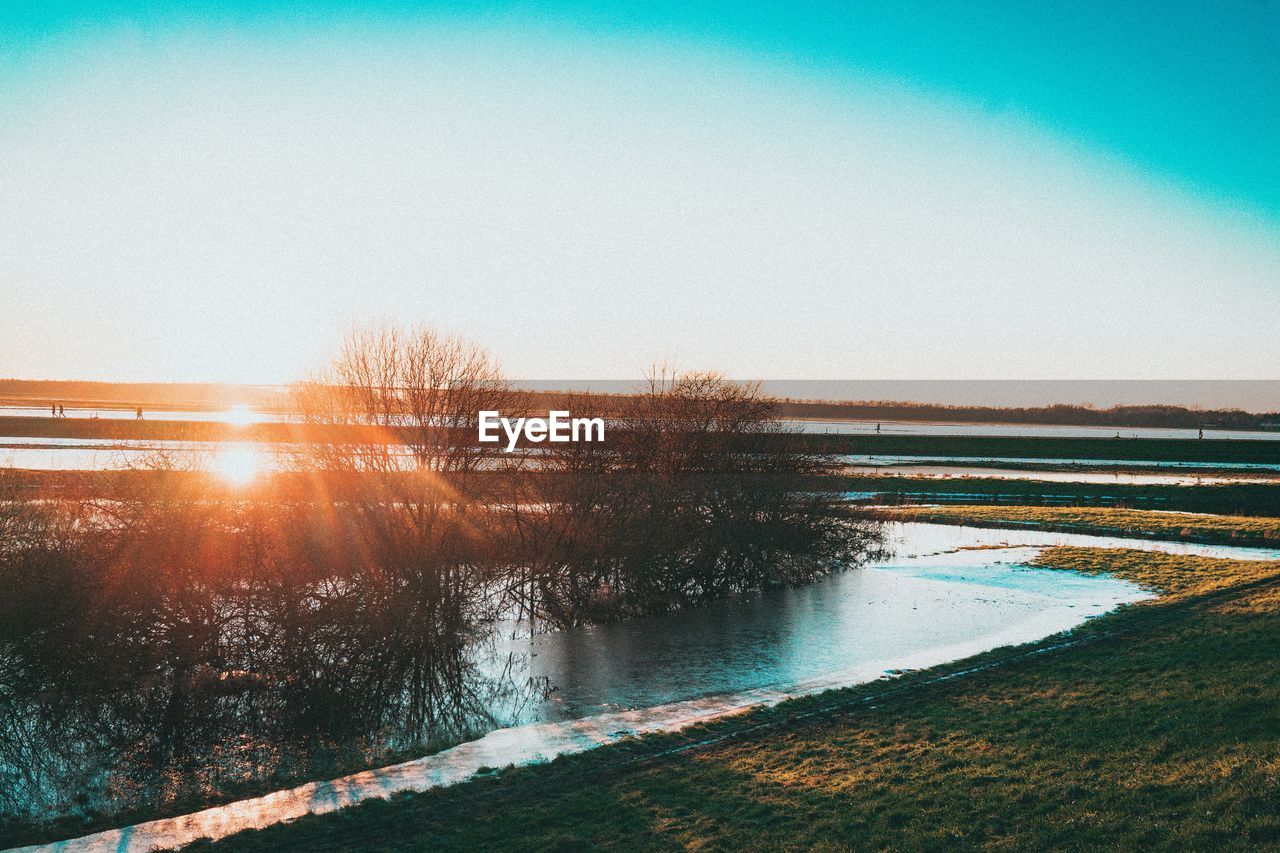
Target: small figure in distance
column 139, row 417
column 62, row 411
column 53, row 410
column 1202, row 432
column 877, row 427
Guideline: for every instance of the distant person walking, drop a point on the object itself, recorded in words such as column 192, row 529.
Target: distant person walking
column 53, row 410
column 877, row 427
column 1202, row 432
column 62, row 411
column 139, row 417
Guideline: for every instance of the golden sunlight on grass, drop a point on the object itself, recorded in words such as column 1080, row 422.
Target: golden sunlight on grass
column 1108, row 521
column 1169, row 574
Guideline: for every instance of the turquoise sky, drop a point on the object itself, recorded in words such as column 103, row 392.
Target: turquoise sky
column 801, row 189
column 1190, row 90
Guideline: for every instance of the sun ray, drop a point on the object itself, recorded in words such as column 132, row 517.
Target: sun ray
column 239, row 463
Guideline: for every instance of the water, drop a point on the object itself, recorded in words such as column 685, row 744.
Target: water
column 233, row 415
column 244, row 414
column 930, row 597
column 238, row 461
column 944, row 594
column 868, row 427
column 94, row 454
column 947, row 472
column 962, row 463
column 934, row 596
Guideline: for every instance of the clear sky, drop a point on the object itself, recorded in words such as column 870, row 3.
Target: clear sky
column 790, row 190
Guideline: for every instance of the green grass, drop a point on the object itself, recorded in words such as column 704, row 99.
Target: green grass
column 1172, row 575
column 1164, row 731
column 1110, row 521
column 1233, row 498
column 1078, row 450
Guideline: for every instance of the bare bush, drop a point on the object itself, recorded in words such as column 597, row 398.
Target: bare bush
column 697, row 493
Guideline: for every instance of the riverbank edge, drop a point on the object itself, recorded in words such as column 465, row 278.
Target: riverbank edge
column 972, row 515
column 575, row 773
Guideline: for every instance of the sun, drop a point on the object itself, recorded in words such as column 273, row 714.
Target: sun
column 238, row 464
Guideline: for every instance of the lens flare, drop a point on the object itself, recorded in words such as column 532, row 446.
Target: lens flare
column 238, row 464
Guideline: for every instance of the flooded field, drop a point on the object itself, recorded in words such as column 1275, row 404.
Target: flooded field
column 932, row 600
column 869, row 427
column 948, row 472
column 231, row 415
column 962, row 465
column 238, row 461
column 247, row 415
column 945, row 593
column 245, row 458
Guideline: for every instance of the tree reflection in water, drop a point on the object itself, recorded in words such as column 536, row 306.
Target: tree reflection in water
column 168, row 639
column 161, row 644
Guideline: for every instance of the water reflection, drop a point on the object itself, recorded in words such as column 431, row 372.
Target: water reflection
column 240, row 463
column 1125, row 478
column 78, row 747
column 931, row 594
column 72, row 741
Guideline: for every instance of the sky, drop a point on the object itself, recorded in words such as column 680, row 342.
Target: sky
column 805, row 190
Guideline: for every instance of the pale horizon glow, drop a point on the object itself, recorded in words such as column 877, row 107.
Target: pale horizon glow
column 201, row 205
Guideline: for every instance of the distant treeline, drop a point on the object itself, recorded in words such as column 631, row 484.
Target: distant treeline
column 1060, row 414
column 213, row 396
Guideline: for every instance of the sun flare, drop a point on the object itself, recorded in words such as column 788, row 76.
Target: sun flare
column 238, row 464
column 241, row 415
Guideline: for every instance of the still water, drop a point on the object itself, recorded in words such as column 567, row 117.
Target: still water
column 935, row 599
column 962, row 464
column 244, row 414
column 1123, row 478
column 860, row 427
column 241, row 460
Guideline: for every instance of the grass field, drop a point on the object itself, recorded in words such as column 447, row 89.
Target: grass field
column 1110, row 521
column 1242, row 498
column 1159, row 727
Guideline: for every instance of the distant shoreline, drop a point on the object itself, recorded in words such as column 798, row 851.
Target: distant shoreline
column 277, row 400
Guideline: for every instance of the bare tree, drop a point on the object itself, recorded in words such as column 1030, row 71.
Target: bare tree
column 393, row 454
column 698, row 492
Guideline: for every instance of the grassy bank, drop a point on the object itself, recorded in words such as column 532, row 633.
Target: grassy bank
column 1077, row 450
column 1243, row 499
column 1174, row 576
column 1106, row 521
column 1162, row 731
